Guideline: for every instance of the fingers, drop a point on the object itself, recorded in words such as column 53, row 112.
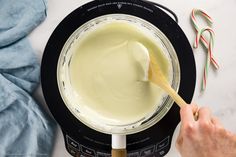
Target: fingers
column 187, row 120
column 204, row 114
column 187, row 113
column 205, row 120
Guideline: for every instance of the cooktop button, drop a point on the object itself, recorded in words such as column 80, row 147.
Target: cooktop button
column 72, row 151
column 148, row 151
column 72, row 143
column 88, row 151
column 163, row 143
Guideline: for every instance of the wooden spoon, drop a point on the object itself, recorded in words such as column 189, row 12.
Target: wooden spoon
column 152, row 70
column 156, row 76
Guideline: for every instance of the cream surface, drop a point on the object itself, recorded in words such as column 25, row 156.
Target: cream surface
column 107, row 74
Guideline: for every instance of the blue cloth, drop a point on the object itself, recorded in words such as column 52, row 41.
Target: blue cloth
column 25, row 129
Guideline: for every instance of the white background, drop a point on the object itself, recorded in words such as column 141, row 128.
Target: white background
column 220, row 94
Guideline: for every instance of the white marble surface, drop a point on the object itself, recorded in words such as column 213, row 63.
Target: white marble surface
column 220, row 94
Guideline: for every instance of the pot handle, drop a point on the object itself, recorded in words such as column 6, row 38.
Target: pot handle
column 118, row 146
column 119, row 153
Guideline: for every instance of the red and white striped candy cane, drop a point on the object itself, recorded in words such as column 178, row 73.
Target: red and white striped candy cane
column 207, row 44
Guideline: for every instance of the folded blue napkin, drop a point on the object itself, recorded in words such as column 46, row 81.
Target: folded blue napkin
column 25, row 129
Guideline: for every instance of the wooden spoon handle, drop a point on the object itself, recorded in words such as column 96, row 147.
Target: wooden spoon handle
column 174, row 95
column 118, row 153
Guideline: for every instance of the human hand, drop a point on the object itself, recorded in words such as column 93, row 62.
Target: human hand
column 204, row 137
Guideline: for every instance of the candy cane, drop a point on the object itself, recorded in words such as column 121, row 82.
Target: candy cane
column 207, row 44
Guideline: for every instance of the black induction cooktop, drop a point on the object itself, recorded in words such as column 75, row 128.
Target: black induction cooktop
column 83, row 141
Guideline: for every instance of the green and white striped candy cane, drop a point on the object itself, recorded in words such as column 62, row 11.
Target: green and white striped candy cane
column 208, row 44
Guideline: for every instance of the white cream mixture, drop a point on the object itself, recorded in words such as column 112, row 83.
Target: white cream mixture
column 107, row 76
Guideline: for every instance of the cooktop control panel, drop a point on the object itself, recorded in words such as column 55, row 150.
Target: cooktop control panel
column 158, row 149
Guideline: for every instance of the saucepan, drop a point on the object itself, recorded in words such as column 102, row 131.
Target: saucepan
column 73, row 99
